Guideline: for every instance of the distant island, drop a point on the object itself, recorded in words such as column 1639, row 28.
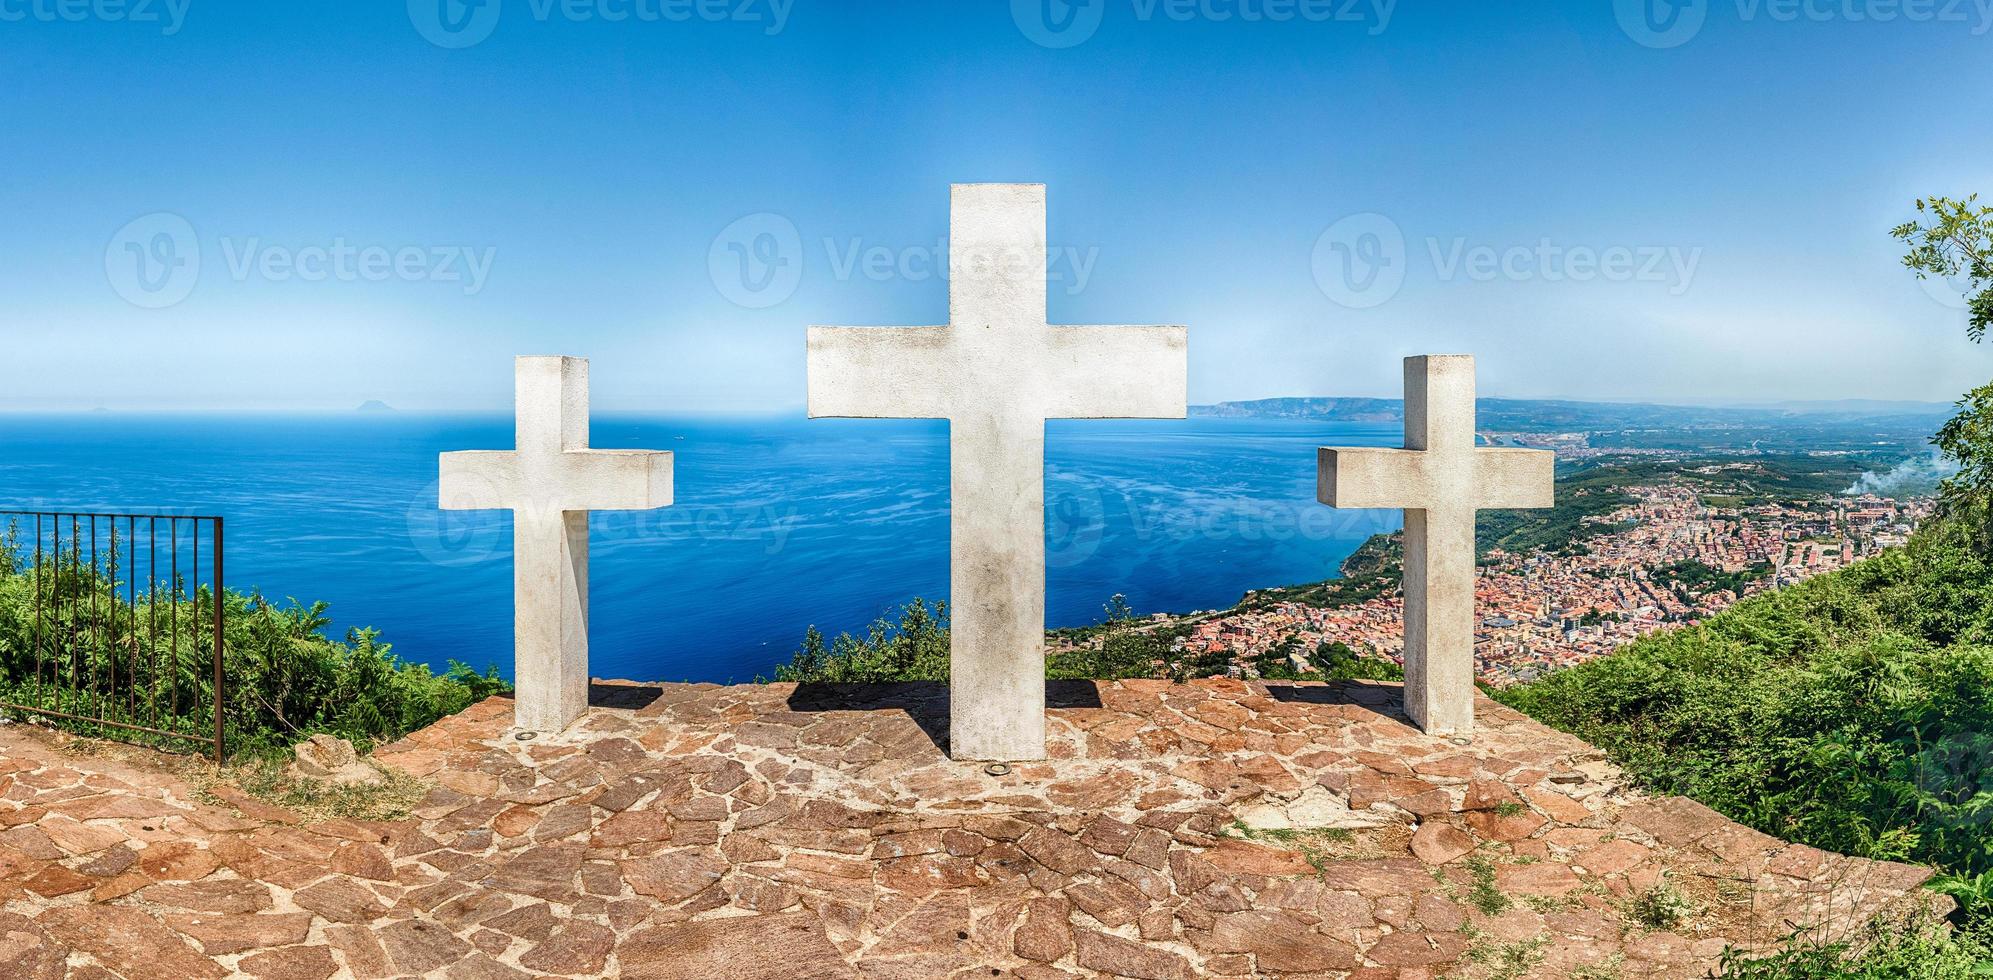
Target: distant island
column 375, row 406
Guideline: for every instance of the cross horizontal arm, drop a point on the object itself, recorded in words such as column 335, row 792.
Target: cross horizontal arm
column 593, row 479
column 1365, row 477
column 1505, row 477
column 1116, row 373
column 882, row 372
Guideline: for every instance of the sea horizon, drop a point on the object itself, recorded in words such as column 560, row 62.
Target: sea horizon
column 780, row 523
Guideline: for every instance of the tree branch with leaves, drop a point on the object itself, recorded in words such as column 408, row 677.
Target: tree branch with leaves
column 1958, row 242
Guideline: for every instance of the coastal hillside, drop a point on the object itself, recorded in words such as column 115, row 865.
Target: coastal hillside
column 1852, row 712
column 1545, row 413
column 1848, row 427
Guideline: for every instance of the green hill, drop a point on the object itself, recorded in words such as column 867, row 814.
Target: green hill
column 1852, row 712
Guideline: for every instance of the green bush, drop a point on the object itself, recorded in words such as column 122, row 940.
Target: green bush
column 913, row 649
column 1852, row 712
column 1916, row 954
column 284, row 680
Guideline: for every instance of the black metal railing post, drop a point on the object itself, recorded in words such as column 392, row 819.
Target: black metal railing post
column 105, row 667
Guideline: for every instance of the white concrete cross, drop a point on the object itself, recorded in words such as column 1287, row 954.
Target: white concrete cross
column 1440, row 479
column 997, row 372
column 550, row 483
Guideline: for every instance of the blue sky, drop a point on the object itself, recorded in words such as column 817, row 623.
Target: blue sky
column 1596, row 208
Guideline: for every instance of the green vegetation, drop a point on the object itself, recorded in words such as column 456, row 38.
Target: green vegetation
column 1370, row 571
column 1560, row 530
column 271, row 780
column 1660, row 907
column 1483, row 894
column 915, row 648
column 1925, row 953
column 1318, row 845
column 1689, row 578
column 1967, row 496
column 1853, row 711
column 284, row 679
column 1958, row 245
column 1508, row 961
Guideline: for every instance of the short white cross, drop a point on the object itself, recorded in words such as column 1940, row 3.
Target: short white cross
column 550, row 483
column 1440, row 479
column 997, row 372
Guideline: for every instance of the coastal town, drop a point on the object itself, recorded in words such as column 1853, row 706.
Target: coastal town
column 1672, row 555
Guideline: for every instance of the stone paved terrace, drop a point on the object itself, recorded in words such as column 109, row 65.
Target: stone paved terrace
column 703, row 832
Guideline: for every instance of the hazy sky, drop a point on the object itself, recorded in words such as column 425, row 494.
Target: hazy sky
column 313, row 203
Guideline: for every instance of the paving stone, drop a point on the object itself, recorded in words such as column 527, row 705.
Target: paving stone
column 1045, row 934
column 676, row 875
column 578, row 949
column 27, row 952
column 292, row 963
column 1417, row 949
column 418, row 946
column 55, row 881
column 793, row 946
column 361, row 950
column 341, row 900
column 220, row 897
column 836, row 839
column 129, row 942
column 1128, row 958
column 1281, row 942
column 1438, row 843
column 220, row 935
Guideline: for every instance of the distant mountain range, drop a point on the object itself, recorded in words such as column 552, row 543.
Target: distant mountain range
column 1546, row 415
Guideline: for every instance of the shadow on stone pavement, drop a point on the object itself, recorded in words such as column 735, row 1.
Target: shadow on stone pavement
column 926, row 702
column 1386, row 701
column 624, row 697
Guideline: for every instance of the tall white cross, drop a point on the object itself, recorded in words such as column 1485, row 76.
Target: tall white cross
column 1440, row 479
column 550, row 483
column 996, row 373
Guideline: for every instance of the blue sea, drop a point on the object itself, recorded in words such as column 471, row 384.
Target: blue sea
column 780, row 522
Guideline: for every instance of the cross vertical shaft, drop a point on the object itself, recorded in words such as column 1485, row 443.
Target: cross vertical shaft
column 551, row 482
column 1439, row 546
column 997, row 372
column 549, row 617
column 1439, row 479
column 996, row 525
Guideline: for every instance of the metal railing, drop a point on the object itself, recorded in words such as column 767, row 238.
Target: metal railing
column 123, row 624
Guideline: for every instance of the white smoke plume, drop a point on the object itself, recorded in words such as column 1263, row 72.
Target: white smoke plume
column 1918, row 474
